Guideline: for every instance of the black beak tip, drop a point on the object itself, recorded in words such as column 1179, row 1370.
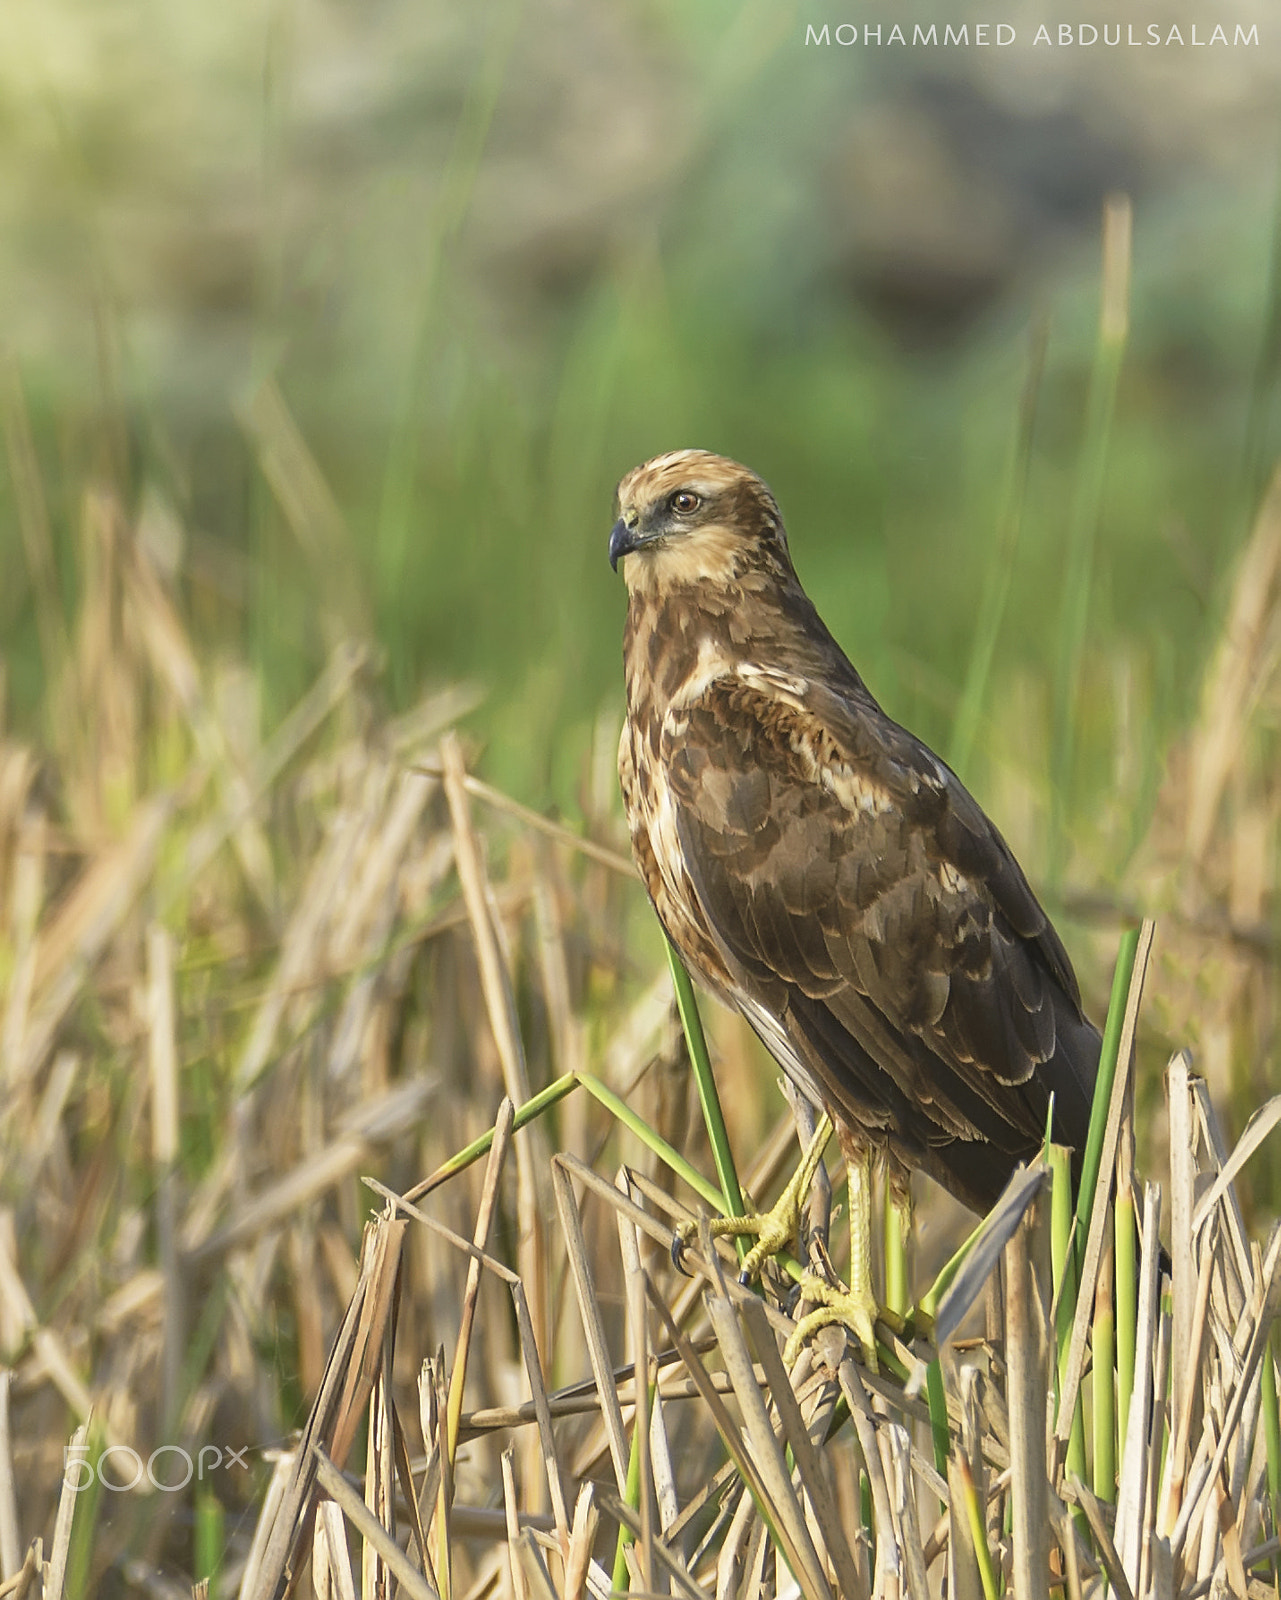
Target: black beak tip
column 620, row 542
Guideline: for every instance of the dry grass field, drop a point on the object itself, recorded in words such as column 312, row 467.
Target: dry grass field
column 347, row 1099
column 260, row 987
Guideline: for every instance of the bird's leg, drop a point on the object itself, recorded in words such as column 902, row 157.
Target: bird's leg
column 775, row 1229
column 856, row 1306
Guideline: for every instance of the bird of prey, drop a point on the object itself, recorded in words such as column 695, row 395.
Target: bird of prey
column 822, row 872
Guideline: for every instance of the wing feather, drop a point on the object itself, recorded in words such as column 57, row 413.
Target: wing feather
column 856, row 891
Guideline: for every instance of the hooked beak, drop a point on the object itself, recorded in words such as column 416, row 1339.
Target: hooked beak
column 622, row 539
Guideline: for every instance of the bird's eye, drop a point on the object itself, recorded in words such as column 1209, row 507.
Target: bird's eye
column 685, row 501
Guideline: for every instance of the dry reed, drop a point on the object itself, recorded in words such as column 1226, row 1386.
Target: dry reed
column 256, row 989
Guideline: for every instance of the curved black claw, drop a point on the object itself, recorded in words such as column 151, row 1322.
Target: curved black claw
column 744, row 1279
column 678, row 1256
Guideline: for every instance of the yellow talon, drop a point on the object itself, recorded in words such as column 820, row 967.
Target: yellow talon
column 775, row 1229
column 856, row 1306
column 855, row 1309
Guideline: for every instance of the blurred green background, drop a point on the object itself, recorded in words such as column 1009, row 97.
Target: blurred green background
column 490, row 256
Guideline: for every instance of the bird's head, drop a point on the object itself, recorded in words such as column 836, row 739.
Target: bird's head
column 693, row 518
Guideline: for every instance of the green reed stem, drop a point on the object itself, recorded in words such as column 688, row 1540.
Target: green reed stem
column 620, row 1579
column 1063, row 1267
column 1093, row 1157
column 731, row 1196
column 897, row 1296
column 978, row 1532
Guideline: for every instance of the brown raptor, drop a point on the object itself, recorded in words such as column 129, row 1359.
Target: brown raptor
column 819, row 869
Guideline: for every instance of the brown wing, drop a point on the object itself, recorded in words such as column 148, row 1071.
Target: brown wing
column 862, row 899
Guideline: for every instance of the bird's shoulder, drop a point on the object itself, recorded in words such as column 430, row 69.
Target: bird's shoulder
column 817, row 736
column 796, row 773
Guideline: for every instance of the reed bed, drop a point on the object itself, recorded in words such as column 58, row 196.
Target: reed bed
column 347, row 1115
column 947, row 1470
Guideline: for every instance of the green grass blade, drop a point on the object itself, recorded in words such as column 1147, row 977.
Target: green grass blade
column 88, row 1505
column 1093, row 1157
column 868, row 1515
column 526, row 1113
column 930, row 1301
column 620, row 1579
column 1064, row 1273
column 1062, row 1258
column 543, row 1101
column 653, row 1141
column 978, row 1532
column 210, row 1539
column 696, row 1040
column 1068, row 1231
column 939, row 1433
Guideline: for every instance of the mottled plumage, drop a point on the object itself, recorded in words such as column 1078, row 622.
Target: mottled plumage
column 819, row 869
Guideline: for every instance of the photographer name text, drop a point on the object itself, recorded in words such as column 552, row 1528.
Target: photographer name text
column 1065, row 35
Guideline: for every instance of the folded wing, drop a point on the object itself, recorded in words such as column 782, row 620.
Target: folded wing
column 869, row 911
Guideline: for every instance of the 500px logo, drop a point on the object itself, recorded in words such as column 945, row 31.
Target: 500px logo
column 79, row 1472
